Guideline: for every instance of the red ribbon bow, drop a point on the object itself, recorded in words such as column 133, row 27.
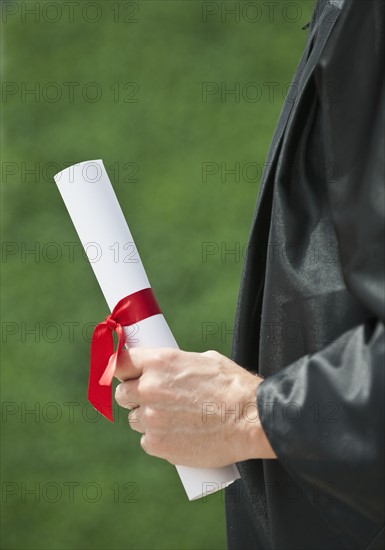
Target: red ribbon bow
column 128, row 311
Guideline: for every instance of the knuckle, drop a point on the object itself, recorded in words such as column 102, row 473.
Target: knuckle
column 149, row 416
column 143, row 443
column 122, row 398
column 212, row 353
column 165, row 356
column 146, row 390
column 118, row 390
column 171, row 354
column 146, row 443
column 133, row 417
column 152, row 444
column 159, row 357
column 119, row 394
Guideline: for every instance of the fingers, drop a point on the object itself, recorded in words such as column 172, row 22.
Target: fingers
column 127, row 394
column 123, row 394
column 128, row 365
column 133, row 361
column 135, row 420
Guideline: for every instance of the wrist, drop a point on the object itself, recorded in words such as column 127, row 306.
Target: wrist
column 255, row 442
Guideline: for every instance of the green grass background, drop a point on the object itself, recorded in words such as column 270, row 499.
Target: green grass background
column 168, row 133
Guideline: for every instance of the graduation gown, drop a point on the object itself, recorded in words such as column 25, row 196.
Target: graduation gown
column 310, row 315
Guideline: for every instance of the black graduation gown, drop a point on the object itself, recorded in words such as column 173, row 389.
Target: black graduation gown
column 310, row 316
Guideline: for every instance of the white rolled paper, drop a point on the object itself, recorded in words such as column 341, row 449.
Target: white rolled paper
column 98, row 219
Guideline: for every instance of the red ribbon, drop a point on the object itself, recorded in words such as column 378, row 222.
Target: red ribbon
column 128, row 311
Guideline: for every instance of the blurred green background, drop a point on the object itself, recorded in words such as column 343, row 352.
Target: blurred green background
column 123, row 81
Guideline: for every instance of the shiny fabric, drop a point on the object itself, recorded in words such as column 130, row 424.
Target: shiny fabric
column 310, row 316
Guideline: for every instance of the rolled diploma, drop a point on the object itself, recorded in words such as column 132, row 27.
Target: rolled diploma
column 98, row 219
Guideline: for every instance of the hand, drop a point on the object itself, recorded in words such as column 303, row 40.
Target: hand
column 193, row 409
